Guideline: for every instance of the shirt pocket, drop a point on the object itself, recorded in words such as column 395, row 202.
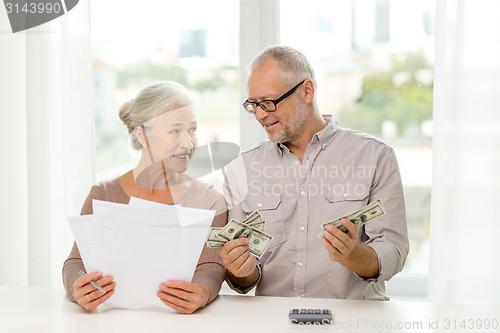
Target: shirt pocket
column 343, row 201
column 271, row 209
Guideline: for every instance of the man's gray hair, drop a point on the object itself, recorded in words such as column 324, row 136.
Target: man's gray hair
column 293, row 64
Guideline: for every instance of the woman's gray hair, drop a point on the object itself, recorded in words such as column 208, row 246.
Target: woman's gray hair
column 293, row 64
column 151, row 102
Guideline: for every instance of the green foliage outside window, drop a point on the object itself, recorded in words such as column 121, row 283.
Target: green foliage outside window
column 402, row 95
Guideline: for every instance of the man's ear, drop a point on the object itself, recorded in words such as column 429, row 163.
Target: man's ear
column 139, row 133
column 308, row 91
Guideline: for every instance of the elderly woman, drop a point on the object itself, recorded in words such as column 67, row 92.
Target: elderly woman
column 162, row 125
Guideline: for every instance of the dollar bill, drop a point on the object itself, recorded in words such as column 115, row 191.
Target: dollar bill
column 252, row 221
column 360, row 217
column 253, row 218
column 258, row 240
column 213, row 240
column 260, row 225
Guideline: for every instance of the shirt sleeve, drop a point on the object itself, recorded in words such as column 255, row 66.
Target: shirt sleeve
column 235, row 191
column 241, row 290
column 210, row 271
column 74, row 263
column 389, row 236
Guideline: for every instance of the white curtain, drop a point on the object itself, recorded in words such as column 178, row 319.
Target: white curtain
column 46, row 144
column 465, row 227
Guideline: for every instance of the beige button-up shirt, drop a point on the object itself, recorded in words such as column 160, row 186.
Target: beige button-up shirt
column 341, row 172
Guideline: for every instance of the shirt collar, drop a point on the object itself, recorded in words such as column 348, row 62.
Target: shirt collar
column 327, row 134
column 282, row 148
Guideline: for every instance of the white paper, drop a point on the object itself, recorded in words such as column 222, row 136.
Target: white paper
column 141, row 245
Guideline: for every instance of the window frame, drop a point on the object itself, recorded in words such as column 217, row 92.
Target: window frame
column 259, row 28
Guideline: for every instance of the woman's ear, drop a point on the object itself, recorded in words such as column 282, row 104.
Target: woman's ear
column 139, row 133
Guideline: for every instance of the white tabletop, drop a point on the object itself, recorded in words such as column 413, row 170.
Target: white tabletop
column 43, row 310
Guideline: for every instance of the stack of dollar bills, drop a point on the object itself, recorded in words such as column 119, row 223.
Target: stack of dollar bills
column 251, row 227
column 360, row 217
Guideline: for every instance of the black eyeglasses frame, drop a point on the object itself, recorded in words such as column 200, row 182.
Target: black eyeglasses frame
column 251, row 106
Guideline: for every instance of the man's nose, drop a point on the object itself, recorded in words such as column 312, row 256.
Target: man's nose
column 260, row 114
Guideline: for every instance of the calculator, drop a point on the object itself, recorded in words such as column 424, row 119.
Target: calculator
column 310, row 316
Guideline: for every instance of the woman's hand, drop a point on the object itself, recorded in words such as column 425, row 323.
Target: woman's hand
column 88, row 296
column 184, row 297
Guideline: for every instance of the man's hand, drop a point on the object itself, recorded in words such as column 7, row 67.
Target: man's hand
column 346, row 249
column 241, row 266
column 339, row 244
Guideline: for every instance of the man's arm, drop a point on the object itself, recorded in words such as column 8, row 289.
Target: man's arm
column 242, row 269
column 384, row 245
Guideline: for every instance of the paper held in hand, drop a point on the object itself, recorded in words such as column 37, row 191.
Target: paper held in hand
column 360, row 217
column 141, row 244
column 251, row 227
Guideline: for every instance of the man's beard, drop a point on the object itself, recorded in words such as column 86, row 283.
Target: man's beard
column 292, row 130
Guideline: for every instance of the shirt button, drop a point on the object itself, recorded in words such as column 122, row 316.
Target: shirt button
column 296, row 162
column 259, row 204
column 301, row 264
column 346, row 195
column 301, row 228
column 302, row 193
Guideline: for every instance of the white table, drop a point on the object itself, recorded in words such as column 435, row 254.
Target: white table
column 46, row 310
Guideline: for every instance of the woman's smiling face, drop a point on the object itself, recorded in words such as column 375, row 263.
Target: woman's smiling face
column 173, row 138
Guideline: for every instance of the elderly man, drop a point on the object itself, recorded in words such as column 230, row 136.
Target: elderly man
column 312, row 171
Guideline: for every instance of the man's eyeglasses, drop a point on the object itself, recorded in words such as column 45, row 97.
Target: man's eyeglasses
column 269, row 105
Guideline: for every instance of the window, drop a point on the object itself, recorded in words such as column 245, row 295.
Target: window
column 150, row 41
column 373, row 61
column 374, row 65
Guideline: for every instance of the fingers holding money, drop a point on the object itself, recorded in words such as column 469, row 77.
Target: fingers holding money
column 237, row 258
column 242, row 242
column 234, row 253
column 339, row 244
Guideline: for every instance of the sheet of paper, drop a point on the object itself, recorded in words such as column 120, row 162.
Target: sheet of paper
column 141, row 245
column 90, row 243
